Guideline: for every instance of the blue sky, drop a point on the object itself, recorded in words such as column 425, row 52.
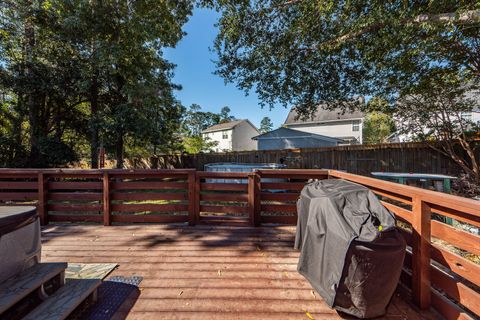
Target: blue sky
column 195, row 69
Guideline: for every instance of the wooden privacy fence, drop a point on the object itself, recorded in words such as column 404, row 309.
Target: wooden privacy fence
column 359, row 159
column 438, row 269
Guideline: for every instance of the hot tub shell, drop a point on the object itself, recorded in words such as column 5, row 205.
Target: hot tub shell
column 20, row 246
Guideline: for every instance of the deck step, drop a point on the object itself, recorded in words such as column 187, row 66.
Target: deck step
column 62, row 303
column 18, row 287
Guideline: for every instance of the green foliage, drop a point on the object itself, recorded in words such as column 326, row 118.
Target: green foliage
column 305, row 52
column 197, row 144
column 377, row 127
column 266, row 125
column 77, row 71
column 196, row 120
column 225, row 115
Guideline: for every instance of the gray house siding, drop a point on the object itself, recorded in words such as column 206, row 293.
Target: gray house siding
column 284, row 138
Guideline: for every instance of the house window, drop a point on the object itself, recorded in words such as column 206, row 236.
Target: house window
column 356, row 126
column 224, row 135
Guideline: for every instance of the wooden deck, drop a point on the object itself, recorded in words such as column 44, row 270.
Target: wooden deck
column 202, row 272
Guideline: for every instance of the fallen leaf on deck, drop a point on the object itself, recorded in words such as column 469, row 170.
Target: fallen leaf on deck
column 285, row 273
column 313, row 293
column 309, row 315
column 181, row 292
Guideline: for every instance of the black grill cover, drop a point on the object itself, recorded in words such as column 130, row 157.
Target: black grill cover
column 351, row 251
column 13, row 218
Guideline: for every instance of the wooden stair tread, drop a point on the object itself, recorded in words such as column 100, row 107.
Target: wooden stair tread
column 18, row 287
column 62, row 303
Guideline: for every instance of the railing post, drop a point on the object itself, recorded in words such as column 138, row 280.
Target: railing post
column 254, row 199
column 197, row 191
column 251, row 198
column 192, row 198
column 421, row 224
column 107, row 215
column 42, row 198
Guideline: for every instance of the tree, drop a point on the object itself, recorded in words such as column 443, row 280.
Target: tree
column 196, row 120
column 266, row 125
column 377, row 127
column 225, row 115
column 304, row 52
column 196, row 144
column 440, row 120
column 81, row 71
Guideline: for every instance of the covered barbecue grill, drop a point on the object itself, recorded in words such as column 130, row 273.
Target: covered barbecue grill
column 351, row 251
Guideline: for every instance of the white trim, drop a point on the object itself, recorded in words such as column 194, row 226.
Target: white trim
column 319, row 122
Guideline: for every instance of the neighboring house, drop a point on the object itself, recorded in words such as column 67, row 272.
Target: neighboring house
column 232, row 136
column 286, row 138
column 346, row 126
column 473, row 118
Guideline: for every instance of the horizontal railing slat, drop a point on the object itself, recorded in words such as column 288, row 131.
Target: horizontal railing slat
column 456, row 289
column 74, row 185
column 224, row 187
column 75, row 217
column 296, row 186
column 18, row 185
column 19, row 196
column 280, row 196
column 461, row 266
column 223, row 209
column 63, row 196
column 148, row 185
column 150, row 218
column 224, row 197
column 149, row 207
column 147, row 196
column 74, row 207
column 459, row 238
column 291, row 220
column 279, row 208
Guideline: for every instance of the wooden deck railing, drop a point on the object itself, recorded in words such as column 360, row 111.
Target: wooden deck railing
column 437, row 267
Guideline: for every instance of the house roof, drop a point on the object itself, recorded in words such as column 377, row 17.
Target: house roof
column 284, row 132
column 227, row 126
column 323, row 115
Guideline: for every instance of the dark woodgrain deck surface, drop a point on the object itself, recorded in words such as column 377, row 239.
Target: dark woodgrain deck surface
column 202, row 272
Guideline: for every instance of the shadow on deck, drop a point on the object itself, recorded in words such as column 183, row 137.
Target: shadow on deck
column 203, row 272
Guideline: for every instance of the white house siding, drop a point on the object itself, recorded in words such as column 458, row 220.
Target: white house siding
column 242, row 137
column 338, row 129
column 218, row 136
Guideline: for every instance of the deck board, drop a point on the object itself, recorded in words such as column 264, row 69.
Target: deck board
column 203, row 272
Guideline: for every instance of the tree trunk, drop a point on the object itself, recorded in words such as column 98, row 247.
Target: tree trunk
column 119, row 150
column 94, row 122
column 32, row 99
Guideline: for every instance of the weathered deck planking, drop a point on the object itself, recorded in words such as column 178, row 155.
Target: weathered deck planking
column 203, row 272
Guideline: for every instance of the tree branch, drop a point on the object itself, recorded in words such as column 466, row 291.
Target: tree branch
column 468, row 17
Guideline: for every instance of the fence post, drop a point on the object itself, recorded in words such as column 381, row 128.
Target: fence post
column 42, row 198
column 421, row 225
column 192, row 198
column 107, row 215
